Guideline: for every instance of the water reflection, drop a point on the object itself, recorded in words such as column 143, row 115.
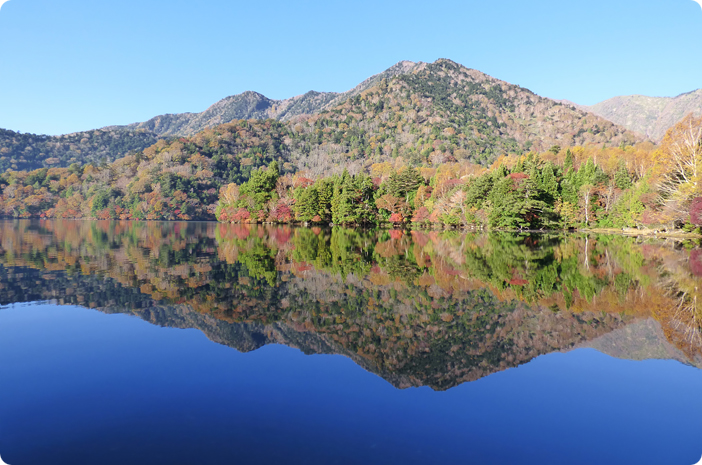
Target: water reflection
column 417, row 308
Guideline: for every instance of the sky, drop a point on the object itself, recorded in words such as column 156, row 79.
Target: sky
column 73, row 65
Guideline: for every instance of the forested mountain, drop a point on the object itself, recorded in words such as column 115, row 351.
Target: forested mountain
column 448, row 90
column 30, row 151
column 418, row 111
column 444, row 111
column 252, row 105
column 651, row 116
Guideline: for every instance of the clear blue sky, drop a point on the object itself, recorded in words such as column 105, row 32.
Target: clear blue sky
column 74, row 65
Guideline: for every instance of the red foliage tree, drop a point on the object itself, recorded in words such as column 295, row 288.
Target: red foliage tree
column 396, row 234
column 396, row 218
column 696, row 211
column 421, row 215
column 282, row 214
column 240, row 216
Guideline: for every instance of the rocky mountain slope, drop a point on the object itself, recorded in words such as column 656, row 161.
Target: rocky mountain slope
column 252, row 105
column 650, row 116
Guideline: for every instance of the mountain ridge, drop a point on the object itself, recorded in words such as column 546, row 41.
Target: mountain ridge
column 254, row 105
column 650, row 116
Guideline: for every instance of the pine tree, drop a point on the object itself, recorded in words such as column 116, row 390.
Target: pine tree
column 548, row 183
column 402, row 183
column 343, row 211
column 363, row 199
column 499, row 173
column 306, row 203
column 518, row 204
column 325, row 194
column 622, row 179
column 479, row 190
column 587, row 174
column 569, row 163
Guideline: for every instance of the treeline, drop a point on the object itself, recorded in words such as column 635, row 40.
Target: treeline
column 563, row 188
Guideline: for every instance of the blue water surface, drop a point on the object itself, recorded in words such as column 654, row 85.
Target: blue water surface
column 81, row 387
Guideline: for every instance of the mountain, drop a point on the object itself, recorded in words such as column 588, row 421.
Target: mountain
column 20, row 151
column 252, row 105
column 422, row 115
column 446, row 111
column 520, row 114
column 424, row 112
column 651, row 116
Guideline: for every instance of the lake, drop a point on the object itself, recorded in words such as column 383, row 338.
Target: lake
column 206, row 343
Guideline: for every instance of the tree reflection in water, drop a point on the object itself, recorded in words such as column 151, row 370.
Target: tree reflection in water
column 417, row 307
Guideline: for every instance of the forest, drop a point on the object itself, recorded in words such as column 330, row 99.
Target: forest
column 642, row 186
column 25, row 152
column 630, row 186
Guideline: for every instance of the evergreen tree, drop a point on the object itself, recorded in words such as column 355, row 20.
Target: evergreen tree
column 548, row 183
column 402, row 183
column 342, row 201
column 325, row 194
column 518, row 204
column 261, row 186
column 569, row 163
column 622, row 179
column 306, row 203
column 478, row 191
column 365, row 211
column 587, row 174
column 499, row 173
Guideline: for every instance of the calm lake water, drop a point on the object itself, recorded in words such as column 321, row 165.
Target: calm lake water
column 200, row 343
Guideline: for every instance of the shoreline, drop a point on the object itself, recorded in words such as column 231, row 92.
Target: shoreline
column 630, row 232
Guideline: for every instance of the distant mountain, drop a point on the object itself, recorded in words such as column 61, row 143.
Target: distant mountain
column 651, row 116
column 252, row 105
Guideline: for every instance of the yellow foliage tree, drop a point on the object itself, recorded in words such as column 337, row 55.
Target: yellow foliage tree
column 680, row 160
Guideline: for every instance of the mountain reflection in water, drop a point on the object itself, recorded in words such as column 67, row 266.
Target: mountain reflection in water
column 416, row 307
